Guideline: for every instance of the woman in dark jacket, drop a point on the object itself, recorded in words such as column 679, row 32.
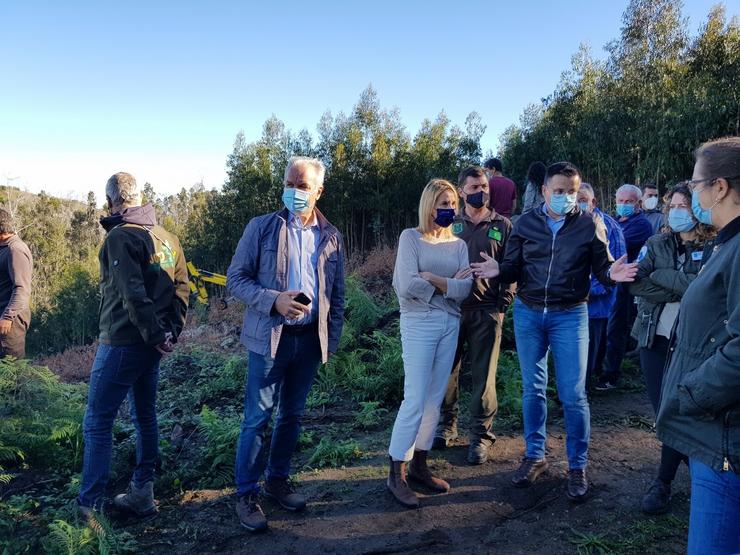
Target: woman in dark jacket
column 668, row 263
column 700, row 406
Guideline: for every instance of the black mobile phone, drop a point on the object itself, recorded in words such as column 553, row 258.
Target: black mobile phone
column 302, row 298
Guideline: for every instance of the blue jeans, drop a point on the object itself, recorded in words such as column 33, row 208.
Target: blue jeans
column 132, row 370
column 285, row 381
column 714, row 525
column 565, row 332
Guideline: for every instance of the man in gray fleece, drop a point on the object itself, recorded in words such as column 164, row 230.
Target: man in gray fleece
column 16, row 268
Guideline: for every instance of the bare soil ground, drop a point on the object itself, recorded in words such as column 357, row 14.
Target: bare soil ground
column 350, row 510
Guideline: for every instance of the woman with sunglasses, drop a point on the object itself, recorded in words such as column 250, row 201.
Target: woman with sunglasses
column 668, row 263
column 431, row 278
column 699, row 412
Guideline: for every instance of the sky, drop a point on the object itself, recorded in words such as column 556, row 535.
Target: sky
column 160, row 89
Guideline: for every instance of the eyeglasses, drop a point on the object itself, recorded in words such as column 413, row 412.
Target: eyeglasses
column 692, row 184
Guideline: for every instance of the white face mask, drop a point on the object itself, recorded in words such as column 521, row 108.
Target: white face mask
column 651, row 203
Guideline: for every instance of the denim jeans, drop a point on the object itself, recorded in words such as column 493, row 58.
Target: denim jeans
column 714, row 524
column 566, row 333
column 285, row 381
column 596, row 347
column 131, row 370
column 618, row 332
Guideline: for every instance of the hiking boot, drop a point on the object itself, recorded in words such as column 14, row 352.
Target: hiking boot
column 399, row 487
column 658, row 498
column 605, row 385
column 577, row 485
column 283, row 491
column 528, row 472
column 138, row 501
column 444, row 438
column 479, row 450
column 419, row 472
column 250, row 513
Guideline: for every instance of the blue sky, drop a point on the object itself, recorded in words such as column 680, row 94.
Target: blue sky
column 160, row 89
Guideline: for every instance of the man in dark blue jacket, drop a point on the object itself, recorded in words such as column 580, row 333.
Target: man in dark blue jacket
column 601, row 298
column 637, row 230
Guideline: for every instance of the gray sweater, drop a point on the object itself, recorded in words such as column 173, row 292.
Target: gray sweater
column 16, row 266
column 445, row 259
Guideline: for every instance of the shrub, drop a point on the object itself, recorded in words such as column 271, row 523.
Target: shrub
column 334, row 453
column 221, row 433
column 370, row 415
column 72, row 365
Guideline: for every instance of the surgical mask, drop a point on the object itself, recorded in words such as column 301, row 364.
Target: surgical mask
column 296, row 200
column 562, row 204
column 445, row 217
column 680, row 220
column 477, row 200
column 650, row 203
column 625, row 210
column 584, row 206
column 704, row 215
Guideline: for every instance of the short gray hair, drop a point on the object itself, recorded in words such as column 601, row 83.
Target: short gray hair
column 122, row 190
column 588, row 187
column 317, row 164
column 629, row 187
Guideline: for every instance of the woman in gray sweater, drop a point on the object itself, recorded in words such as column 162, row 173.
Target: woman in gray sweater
column 431, row 278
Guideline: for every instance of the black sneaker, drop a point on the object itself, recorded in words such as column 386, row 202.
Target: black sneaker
column 444, row 438
column 577, row 485
column 528, row 472
column 283, row 491
column 250, row 513
column 605, row 385
column 657, row 500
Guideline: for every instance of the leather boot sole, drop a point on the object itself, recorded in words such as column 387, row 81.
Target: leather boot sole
column 408, row 505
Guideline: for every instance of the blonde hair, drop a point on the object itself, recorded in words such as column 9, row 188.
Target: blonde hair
column 429, row 197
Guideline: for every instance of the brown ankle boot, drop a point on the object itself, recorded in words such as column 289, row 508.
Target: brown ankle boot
column 419, row 472
column 399, row 487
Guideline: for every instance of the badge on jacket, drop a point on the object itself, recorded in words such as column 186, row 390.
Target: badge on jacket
column 697, row 255
column 494, row 234
column 643, row 252
column 457, row 228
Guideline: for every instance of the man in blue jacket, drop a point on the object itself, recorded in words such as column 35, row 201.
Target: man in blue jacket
column 637, row 230
column 601, row 298
column 289, row 270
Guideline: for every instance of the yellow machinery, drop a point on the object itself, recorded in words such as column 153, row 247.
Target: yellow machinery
column 198, row 280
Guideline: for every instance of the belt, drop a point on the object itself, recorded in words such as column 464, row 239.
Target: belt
column 313, row 327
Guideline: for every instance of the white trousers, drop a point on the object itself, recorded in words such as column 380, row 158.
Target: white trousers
column 429, row 340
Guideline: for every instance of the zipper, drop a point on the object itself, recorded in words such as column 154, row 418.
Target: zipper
column 725, row 443
column 549, row 268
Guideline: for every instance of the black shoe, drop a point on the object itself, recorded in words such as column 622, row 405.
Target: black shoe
column 605, row 385
column 528, row 472
column 444, row 438
column 657, row 500
column 479, row 450
column 577, row 485
column 283, row 491
column 250, row 513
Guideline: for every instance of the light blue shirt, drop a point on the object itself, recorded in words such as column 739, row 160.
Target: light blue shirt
column 555, row 225
column 303, row 256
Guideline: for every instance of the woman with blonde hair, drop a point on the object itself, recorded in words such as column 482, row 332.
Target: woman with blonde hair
column 431, row 278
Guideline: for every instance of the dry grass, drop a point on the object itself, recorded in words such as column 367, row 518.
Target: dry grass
column 71, row 365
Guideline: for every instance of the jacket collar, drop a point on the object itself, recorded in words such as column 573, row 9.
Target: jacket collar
column 325, row 227
column 729, row 231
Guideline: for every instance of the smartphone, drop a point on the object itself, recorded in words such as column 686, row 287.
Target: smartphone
column 302, row 298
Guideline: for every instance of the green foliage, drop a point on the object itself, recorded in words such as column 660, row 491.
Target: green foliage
column 637, row 116
column 334, row 453
column 361, row 312
column 41, row 417
column 370, row 415
column 221, row 433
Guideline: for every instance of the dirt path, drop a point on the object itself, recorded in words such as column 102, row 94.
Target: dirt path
column 350, row 510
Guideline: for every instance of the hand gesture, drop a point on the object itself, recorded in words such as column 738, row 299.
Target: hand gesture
column 623, row 271
column 288, row 307
column 486, row 269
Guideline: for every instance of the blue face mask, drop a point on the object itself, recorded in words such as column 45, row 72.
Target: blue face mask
column 704, row 215
column 562, row 204
column 584, row 206
column 625, row 210
column 445, row 217
column 296, row 200
column 680, row 220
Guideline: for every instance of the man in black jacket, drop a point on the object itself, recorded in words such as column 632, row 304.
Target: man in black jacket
column 551, row 254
